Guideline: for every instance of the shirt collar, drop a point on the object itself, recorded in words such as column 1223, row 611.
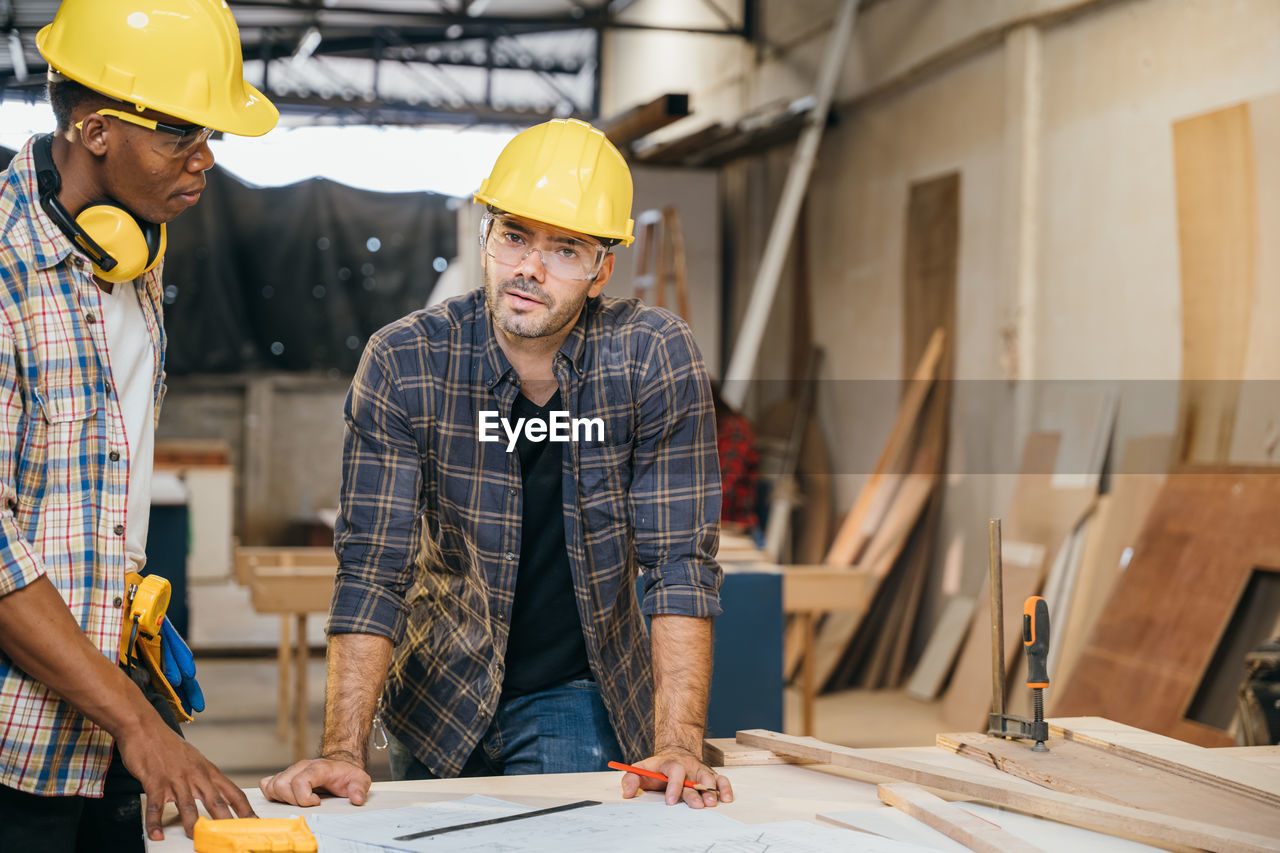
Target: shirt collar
column 51, row 246
column 573, row 350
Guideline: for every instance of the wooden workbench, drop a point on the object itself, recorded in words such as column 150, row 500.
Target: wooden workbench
column 764, row 794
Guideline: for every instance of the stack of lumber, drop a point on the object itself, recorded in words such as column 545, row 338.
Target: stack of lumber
column 1098, row 775
column 888, row 536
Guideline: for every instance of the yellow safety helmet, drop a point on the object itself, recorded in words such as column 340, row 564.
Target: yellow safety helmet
column 180, row 57
column 565, row 173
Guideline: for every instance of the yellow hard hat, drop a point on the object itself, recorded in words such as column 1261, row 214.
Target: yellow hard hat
column 180, row 57
column 565, row 173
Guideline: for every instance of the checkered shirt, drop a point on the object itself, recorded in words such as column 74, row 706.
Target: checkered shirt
column 63, row 498
column 428, row 537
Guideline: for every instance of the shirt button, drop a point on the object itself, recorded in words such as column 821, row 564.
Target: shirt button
column 512, row 491
column 510, row 556
column 90, row 317
column 114, row 456
column 119, row 529
column 118, row 601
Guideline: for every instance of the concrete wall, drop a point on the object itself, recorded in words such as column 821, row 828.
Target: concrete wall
column 285, row 433
column 1057, row 115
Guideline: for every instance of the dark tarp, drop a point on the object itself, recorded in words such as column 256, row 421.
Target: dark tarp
column 296, row 277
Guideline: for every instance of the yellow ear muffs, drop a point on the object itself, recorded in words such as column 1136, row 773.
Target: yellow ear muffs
column 137, row 246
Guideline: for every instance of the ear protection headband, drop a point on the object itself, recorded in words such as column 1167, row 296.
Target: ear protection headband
column 120, row 245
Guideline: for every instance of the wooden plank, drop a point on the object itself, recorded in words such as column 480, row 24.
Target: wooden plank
column 1267, row 756
column 1253, row 441
column 944, row 644
column 191, row 452
column 821, row 589
column 915, row 567
column 852, row 535
column 727, row 752
column 1093, row 814
column 1061, row 583
column 838, row 628
column 293, row 589
column 1214, row 173
column 951, row 820
column 1077, row 768
column 1213, row 767
column 248, row 560
column 1154, row 642
column 1085, row 418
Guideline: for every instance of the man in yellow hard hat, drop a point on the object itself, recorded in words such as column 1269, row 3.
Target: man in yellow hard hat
column 136, row 89
column 514, row 458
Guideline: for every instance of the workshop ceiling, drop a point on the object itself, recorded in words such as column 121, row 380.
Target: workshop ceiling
column 410, row 61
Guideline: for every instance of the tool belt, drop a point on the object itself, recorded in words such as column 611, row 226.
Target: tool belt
column 146, row 600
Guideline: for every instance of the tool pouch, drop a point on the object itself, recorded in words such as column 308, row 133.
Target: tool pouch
column 147, row 599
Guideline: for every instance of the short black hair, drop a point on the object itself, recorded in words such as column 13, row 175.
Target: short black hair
column 66, row 95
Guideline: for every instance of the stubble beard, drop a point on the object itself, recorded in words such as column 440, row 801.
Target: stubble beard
column 555, row 318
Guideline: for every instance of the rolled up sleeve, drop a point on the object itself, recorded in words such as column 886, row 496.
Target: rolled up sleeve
column 22, row 563
column 675, row 490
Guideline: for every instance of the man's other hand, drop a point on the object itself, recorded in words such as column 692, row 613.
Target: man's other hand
column 298, row 784
column 678, row 765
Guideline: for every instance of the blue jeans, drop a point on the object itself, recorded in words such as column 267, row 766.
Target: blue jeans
column 564, row 729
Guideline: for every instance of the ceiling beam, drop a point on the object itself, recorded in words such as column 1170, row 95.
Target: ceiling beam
column 638, row 121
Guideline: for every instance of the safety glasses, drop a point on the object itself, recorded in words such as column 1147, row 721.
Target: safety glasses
column 564, row 254
column 169, row 139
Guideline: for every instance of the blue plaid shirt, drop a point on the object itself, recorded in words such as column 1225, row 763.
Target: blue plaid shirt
column 428, row 538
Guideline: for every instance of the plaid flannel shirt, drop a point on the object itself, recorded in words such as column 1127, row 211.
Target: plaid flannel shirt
column 64, row 474
column 428, row 538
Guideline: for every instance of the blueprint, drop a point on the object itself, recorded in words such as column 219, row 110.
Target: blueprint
column 624, row 828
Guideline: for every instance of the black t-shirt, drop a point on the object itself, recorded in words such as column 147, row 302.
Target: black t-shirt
column 546, row 646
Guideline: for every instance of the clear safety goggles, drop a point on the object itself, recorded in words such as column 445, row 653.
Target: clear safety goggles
column 172, row 140
column 564, row 254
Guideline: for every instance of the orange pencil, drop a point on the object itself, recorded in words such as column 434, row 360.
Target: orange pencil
column 653, row 774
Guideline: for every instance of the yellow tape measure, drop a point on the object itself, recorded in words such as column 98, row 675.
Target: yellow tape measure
column 254, row 835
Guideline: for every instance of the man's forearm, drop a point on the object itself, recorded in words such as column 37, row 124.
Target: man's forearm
column 358, row 665
column 39, row 634
column 682, row 680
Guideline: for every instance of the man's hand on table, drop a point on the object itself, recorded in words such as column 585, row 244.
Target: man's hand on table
column 298, row 784
column 174, row 771
column 678, row 765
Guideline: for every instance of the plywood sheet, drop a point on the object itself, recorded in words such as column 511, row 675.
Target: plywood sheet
column 1217, row 246
column 1206, row 534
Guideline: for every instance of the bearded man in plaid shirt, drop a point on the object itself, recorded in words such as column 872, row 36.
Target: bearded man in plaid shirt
column 486, row 591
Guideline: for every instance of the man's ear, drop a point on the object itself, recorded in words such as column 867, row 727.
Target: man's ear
column 93, row 133
column 602, row 277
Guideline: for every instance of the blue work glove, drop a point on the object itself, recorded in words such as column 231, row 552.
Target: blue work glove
column 180, row 668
